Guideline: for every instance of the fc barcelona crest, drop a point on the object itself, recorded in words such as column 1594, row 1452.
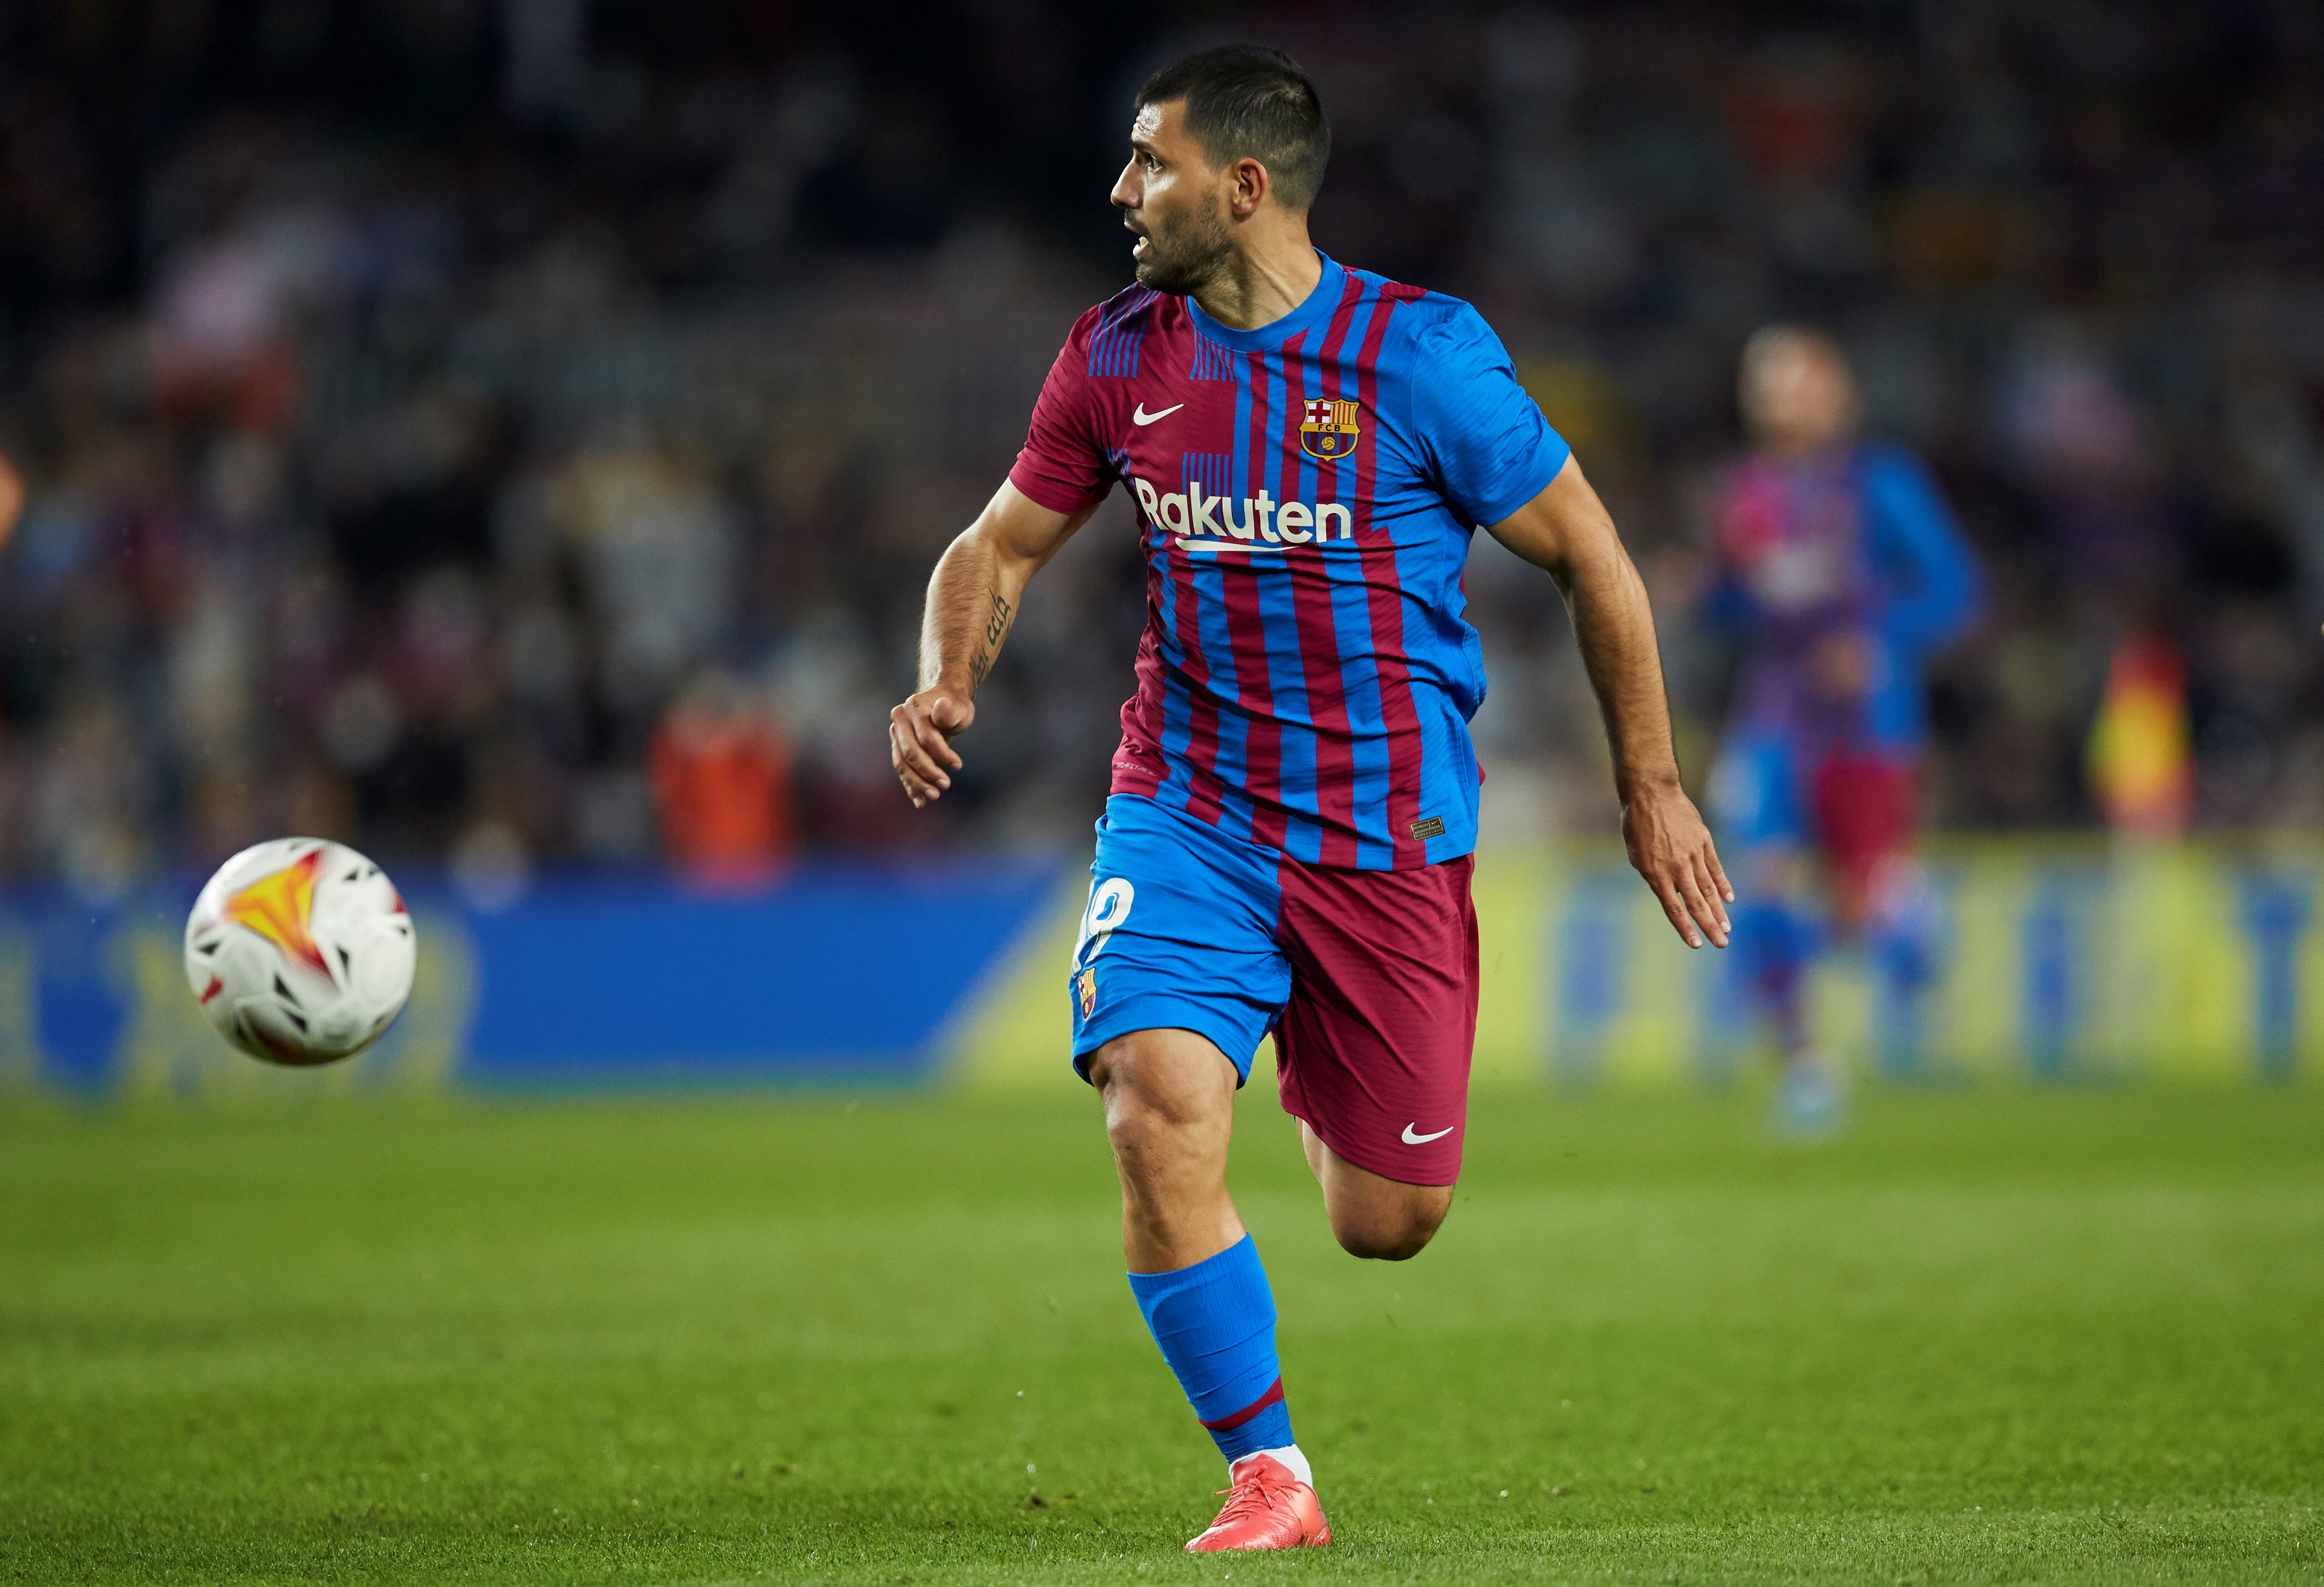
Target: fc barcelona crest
column 1330, row 429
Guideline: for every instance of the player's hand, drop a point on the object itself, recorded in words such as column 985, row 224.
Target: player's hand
column 920, row 732
column 1670, row 847
column 1840, row 665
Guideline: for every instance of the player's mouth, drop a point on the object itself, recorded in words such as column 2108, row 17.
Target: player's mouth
column 1143, row 246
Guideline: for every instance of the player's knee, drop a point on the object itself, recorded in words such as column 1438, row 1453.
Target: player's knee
column 1379, row 1243
column 1137, row 1129
column 1161, row 1118
column 1135, row 1114
column 1392, row 1234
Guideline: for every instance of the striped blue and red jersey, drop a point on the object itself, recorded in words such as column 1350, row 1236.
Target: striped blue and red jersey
column 1307, row 493
column 1854, row 542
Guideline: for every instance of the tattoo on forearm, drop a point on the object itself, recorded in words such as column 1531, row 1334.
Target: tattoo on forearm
column 996, row 629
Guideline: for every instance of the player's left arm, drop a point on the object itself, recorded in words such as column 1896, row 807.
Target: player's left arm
column 1566, row 532
column 1936, row 589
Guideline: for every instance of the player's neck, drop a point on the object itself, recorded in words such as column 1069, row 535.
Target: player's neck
column 1795, row 450
column 1267, row 278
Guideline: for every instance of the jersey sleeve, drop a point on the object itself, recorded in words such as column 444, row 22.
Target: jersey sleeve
column 1486, row 441
column 1062, row 465
column 1936, row 589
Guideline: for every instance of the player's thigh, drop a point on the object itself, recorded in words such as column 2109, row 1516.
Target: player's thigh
column 1165, row 1079
column 1360, row 1198
column 1375, row 1041
column 1178, row 935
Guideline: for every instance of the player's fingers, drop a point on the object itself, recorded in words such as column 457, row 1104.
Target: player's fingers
column 919, row 792
column 912, row 786
column 934, row 758
column 934, row 734
column 1699, row 906
column 1718, row 872
column 909, row 737
column 939, row 743
column 918, row 774
column 1675, row 907
column 1707, row 882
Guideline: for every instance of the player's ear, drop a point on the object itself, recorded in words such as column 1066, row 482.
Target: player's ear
column 1251, row 187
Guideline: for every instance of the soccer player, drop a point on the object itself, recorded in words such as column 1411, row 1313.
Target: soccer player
column 1836, row 569
column 1287, row 843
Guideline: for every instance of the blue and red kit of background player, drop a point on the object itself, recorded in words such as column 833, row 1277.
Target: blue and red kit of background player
column 1837, row 575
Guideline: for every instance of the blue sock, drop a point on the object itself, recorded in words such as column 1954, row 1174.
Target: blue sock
column 1215, row 1322
column 1772, row 944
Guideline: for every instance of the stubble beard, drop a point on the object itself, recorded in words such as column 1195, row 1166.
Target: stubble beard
column 1188, row 255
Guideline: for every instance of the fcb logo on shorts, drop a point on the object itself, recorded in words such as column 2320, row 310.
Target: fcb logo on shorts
column 1329, row 431
column 1086, row 989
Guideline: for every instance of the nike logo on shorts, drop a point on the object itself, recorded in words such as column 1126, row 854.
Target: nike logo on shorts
column 1143, row 417
column 1412, row 1140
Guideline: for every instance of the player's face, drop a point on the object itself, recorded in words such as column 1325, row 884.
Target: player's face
column 1797, row 395
column 1173, row 202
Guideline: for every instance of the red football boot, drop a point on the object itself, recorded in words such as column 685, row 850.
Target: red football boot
column 1267, row 1507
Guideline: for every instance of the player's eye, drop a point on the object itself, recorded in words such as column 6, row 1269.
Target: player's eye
column 1151, row 164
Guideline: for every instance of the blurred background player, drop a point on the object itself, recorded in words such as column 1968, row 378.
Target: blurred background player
column 1836, row 570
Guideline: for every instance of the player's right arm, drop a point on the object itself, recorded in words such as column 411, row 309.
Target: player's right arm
column 1059, row 478
column 973, row 602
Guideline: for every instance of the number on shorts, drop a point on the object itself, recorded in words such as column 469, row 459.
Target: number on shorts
column 1109, row 907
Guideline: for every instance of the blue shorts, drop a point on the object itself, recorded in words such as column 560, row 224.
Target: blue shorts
column 1368, row 979
column 1758, row 795
column 1179, row 934
column 1852, row 804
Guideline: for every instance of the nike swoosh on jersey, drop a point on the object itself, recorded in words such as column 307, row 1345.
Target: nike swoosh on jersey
column 1412, row 1140
column 1143, row 417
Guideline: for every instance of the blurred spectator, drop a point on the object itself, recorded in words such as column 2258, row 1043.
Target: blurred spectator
column 2140, row 765
column 656, row 551
column 411, row 401
column 721, row 780
column 220, row 339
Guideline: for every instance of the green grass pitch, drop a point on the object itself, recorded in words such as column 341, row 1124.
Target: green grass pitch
column 1985, row 1337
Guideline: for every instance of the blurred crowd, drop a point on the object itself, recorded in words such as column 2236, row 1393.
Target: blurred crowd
column 508, row 432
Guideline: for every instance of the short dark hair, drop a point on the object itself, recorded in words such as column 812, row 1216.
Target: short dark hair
column 1249, row 102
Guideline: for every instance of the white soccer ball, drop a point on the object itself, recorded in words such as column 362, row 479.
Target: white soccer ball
column 299, row 951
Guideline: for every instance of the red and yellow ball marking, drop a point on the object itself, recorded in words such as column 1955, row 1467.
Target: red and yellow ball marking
column 278, row 906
